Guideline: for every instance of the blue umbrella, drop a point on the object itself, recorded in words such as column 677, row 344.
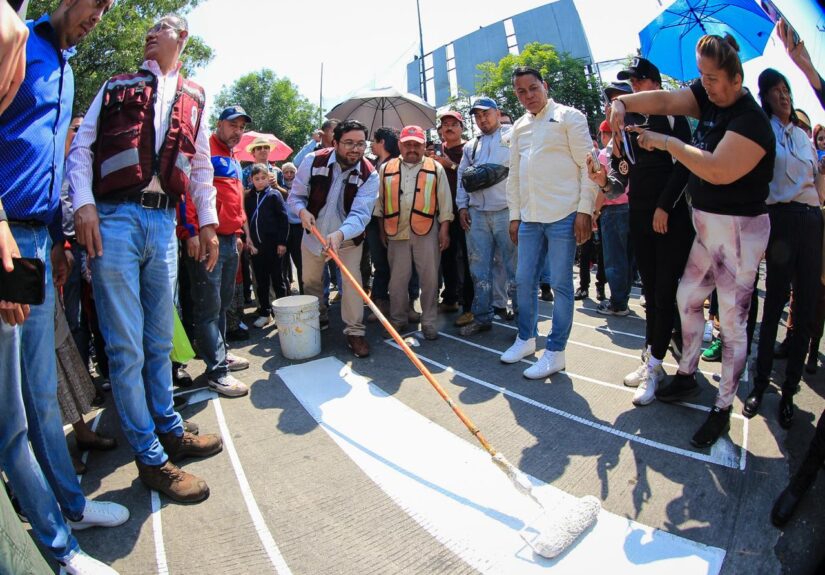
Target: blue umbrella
column 669, row 41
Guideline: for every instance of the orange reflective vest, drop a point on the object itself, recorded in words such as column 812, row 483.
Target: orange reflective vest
column 425, row 200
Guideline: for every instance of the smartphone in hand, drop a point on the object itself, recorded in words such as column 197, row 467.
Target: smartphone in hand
column 25, row 284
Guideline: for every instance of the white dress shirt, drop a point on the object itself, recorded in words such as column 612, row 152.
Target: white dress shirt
column 548, row 170
column 81, row 158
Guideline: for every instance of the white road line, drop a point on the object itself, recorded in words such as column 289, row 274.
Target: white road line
column 582, row 377
column 157, row 531
column 722, row 461
column 271, row 548
column 598, row 328
column 451, row 489
column 708, row 374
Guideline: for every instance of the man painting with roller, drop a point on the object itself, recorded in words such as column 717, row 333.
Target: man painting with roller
column 334, row 190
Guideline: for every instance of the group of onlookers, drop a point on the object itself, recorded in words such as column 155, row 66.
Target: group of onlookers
column 154, row 214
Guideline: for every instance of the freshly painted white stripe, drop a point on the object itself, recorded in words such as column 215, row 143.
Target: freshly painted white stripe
column 271, row 548
column 157, row 531
column 451, row 489
column 717, row 459
column 707, row 374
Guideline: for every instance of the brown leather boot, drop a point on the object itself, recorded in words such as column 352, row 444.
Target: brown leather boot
column 190, row 445
column 173, row 482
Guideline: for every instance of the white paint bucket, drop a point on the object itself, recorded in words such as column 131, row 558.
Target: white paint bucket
column 298, row 326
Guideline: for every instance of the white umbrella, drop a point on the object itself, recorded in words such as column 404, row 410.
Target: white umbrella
column 385, row 107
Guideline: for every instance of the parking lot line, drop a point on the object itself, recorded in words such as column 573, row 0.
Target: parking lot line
column 271, row 548
column 157, row 532
column 717, row 458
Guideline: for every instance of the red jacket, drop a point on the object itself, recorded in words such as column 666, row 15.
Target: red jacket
column 229, row 202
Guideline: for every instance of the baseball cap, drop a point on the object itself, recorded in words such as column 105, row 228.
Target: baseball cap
column 452, row 114
column 605, row 127
column 233, row 112
column 619, row 88
column 414, row 133
column 640, row 68
column 484, row 104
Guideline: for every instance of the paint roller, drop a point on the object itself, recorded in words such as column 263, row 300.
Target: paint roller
column 552, row 532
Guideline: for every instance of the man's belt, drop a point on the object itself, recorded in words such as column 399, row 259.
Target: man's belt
column 151, row 200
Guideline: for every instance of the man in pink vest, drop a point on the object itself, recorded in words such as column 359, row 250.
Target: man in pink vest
column 141, row 169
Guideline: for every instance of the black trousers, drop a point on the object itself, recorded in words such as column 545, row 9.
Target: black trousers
column 455, row 269
column 793, row 257
column 807, row 472
column 661, row 259
column 293, row 249
column 591, row 251
column 266, row 265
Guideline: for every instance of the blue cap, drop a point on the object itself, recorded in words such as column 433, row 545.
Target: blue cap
column 484, row 104
column 233, row 112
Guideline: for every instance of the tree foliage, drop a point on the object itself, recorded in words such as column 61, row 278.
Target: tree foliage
column 275, row 104
column 566, row 80
column 115, row 46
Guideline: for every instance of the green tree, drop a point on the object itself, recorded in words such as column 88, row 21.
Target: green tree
column 275, row 104
column 566, row 80
column 115, row 46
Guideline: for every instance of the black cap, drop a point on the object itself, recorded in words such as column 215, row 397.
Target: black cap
column 641, row 68
column 617, row 88
column 233, row 112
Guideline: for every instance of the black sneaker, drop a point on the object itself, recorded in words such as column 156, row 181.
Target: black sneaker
column 600, row 294
column 679, row 388
column 717, row 424
column 580, row 294
column 546, row 293
column 608, row 308
column 503, row 313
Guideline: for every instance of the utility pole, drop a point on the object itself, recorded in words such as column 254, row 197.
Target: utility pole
column 321, row 98
column 423, row 76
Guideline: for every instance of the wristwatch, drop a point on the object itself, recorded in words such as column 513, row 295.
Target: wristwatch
column 3, row 216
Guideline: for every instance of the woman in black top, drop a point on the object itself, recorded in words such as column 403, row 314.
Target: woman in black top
column 730, row 161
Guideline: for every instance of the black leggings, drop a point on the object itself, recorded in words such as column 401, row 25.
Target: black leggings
column 661, row 260
column 266, row 265
column 293, row 248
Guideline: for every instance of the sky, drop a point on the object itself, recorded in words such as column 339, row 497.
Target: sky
column 368, row 44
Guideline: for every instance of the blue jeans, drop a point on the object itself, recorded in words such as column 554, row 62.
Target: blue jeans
column 212, row 294
column 615, row 226
column 489, row 230
column 133, row 283
column 29, row 412
column 555, row 245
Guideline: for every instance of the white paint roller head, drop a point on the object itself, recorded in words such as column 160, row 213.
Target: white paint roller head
column 551, row 534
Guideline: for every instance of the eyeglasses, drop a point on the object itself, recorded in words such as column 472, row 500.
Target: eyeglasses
column 160, row 27
column 74, row 128
column 256, row 148
column 356, row 145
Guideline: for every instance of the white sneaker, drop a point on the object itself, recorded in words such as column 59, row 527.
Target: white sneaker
column 549, row 363
column 646, row 392
column 642, row 300
column 637, row 376
column 746, row 375
column 100, row 514
column 707, row 336
column 82, row 564
column 262, row 321
column 236, row 362
column 229, row 386
column 519, row 350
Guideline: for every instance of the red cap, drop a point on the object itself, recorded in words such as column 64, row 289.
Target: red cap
column 605, row 127
column 413, row 133
column 452, row 114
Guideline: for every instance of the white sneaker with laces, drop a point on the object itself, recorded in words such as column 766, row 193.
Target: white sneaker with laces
column 549, row 363
column 637, row 376
column 229, row 386
column 82, row 564
column 646, row 392
column 100, row 514
column 236, row 362
column 707, row 336
column 262, row 321
column 519, row 350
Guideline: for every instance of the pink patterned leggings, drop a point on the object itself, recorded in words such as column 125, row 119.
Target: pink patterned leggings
column 725, row 255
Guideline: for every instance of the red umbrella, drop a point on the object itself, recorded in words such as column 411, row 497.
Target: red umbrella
column 278, row 150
